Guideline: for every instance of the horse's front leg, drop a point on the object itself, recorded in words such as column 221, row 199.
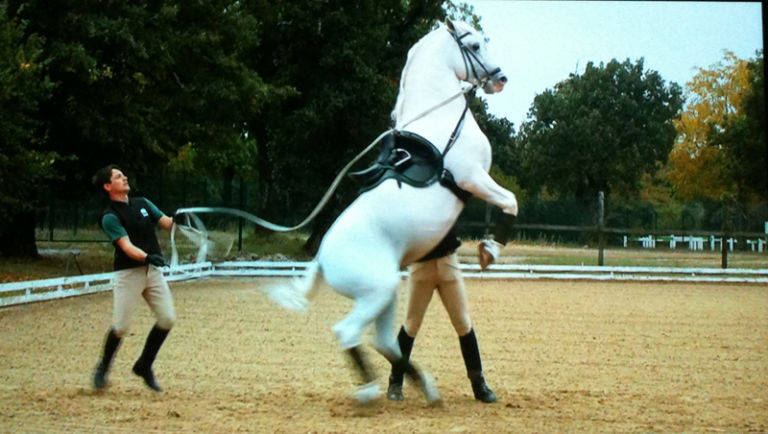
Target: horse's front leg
column 482, row 186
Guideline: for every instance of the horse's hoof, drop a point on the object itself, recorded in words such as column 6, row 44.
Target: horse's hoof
column 367, row 393
column 429, row 387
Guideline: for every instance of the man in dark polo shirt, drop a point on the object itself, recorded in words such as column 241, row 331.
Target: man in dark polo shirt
column 130, row 224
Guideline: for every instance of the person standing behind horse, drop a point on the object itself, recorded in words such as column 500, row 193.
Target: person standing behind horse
column 130, row 224
column 439, row 270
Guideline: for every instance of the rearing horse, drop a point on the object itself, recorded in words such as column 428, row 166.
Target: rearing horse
column 394, row 224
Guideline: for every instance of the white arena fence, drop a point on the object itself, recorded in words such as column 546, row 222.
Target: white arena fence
column 48, row 289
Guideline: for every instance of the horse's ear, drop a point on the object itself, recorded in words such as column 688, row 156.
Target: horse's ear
column 451, row 27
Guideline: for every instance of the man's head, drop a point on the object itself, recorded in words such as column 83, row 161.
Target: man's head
column 111, row 182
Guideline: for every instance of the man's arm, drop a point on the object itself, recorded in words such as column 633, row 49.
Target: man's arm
column 163, row 220
column 132, row 251
column 140, row 255
column 116, row 232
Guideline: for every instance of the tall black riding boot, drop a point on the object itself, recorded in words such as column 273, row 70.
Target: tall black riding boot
column 110, row 348
column 143, row 366
column 395, row 390
column 471, row 353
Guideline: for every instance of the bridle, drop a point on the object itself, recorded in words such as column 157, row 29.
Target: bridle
column 471, row 59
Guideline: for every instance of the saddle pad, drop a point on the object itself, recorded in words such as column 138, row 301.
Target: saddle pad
column 409, row 158
column 406, row 157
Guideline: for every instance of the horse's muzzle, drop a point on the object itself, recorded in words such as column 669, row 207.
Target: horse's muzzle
column 496, row 83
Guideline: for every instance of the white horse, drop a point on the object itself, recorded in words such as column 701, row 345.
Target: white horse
column 395, row 224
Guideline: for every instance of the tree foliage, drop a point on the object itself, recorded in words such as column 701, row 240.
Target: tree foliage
column 135, row 82
column 141, row 84
column 259, row 89
column 25, row 164
column 747, row 148
column 712, row 132
column 599, row 131
column 284, row 94
column 343, row 62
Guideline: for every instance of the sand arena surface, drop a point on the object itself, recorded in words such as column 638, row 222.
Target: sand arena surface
column 561, row 356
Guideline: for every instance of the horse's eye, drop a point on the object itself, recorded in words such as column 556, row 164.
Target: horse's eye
column 475, row 47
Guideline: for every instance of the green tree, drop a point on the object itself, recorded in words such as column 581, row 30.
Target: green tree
column 137, row 81
column 599, row 131
column 142, row 83
column 343, row 61
column 24, row 163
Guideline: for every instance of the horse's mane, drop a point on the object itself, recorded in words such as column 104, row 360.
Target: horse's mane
column 397, row 111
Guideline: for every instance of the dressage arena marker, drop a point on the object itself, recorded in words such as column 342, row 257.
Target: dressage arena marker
column 48, row 289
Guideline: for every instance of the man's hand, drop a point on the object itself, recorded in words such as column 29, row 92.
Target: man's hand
column 487, row 252
column 155, row 259
column 179, row 218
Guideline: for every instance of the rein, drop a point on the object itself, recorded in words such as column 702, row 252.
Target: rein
column 279, row 228
column 457, row 129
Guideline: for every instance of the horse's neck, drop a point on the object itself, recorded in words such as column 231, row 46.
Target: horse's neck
column 427, row 82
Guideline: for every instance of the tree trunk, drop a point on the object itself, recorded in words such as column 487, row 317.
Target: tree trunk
column 320, row 226
column 17, row 238
column 229, row 176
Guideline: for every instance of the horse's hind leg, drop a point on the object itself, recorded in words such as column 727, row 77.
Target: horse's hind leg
column 369, row 390
column 386, row 344
column 368, row 307
column 386, row 341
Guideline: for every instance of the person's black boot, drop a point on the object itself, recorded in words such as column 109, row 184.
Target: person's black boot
column 471, row 353
column 100, row 375
column 143, row 366
column 395, row 390
column 481, row 390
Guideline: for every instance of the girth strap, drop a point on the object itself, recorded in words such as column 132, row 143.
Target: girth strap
column 447, row 181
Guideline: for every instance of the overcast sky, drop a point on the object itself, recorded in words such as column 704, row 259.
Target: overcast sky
column 538, row 43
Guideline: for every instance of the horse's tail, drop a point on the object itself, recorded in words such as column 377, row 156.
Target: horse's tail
column 294, row 294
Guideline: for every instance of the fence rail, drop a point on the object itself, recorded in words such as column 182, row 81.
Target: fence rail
column 61, row 287
column 49, row 289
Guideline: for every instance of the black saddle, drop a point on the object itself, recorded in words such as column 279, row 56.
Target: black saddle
column 409, row 158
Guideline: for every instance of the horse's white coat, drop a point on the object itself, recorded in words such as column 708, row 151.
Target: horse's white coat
column 389, row 227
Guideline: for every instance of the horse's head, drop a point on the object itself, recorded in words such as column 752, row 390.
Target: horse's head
column 475, row 65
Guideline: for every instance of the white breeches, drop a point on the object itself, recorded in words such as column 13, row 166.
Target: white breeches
column 134, row 283
column 443, row 275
